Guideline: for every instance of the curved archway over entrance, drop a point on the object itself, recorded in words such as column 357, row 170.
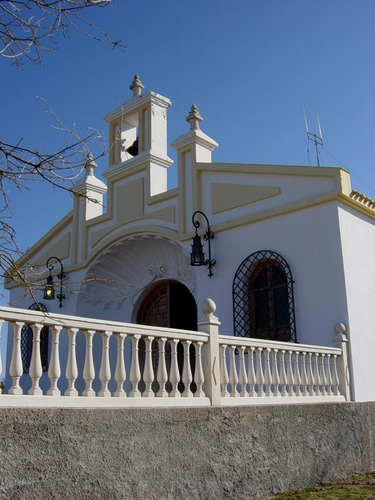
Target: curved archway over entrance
column 169, row 304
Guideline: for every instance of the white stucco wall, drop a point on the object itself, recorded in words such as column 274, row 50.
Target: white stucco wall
column 309, row 241
column 358, row 243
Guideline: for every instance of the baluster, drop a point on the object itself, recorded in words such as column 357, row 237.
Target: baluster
column 267, row 374
column 251, row 371
column 336, row 380
column 1, row 366
column 242, row 378
column 135, row 373
column 297, row 374
column 71, row 371
column 328, row 374
column 322, row 373
column 16, row 368
column 304, row 379
column 174, row 375
column 310, row 375
column 316, row 375
column 224, row 379
column 35, row 370
column 120, row 372
column 148, row 372
column 259, row 372
column 289, row 373
column 54, row 370
column 283, row 379
column 198, row 375
column 89, row 369
column 275, row 374
column 162, row 375
column 105, row 368
column 233, row 378
column 186, row 371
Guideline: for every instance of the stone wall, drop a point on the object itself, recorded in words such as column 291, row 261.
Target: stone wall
column 193, row 453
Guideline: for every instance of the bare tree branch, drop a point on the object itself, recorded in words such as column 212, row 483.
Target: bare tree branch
column 28, row 28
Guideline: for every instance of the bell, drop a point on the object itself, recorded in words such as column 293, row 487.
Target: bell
column 133, row 149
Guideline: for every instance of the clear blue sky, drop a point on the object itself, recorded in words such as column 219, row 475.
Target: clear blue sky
column 250, row 66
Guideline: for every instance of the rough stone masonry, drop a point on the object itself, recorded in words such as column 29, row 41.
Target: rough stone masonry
column 192, row 453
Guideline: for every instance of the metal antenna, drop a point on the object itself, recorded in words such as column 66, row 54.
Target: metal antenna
column 316, row 139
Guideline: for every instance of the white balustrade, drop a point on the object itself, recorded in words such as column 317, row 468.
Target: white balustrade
column 277, row 372
column 150, row 366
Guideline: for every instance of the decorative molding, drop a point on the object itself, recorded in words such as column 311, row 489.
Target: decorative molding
column 126, row 269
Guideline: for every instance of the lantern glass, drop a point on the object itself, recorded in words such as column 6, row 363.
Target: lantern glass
column 197, row 254
column 49, row 289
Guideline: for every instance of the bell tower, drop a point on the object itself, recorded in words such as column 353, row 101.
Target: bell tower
column 138, row 136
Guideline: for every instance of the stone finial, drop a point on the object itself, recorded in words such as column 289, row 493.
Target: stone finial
column 194, row 118
column 340, row 328
column 90, row 165
column 136, row 86
column 208, row 307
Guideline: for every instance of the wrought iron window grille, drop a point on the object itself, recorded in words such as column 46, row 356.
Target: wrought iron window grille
column 263, row 298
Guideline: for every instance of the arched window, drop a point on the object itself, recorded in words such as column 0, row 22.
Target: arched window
column 27, row 342
column 263, row 303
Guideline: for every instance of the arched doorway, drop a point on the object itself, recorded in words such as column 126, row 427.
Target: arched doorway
column 169, row 304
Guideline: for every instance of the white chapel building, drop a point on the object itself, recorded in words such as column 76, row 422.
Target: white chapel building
column 288, row 250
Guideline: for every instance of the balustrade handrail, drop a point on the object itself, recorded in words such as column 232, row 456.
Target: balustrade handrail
column 70, row 321
column 274, row 344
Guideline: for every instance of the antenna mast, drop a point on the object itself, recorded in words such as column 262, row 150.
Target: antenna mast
column 316, row 139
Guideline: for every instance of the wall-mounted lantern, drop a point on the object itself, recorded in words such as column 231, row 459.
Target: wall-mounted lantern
column 197, row 256
column 49, row 287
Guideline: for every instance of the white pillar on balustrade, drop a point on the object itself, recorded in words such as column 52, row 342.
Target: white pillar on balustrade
column 162, row 375
column 209, row 323
column 174, row 375
column 135, row 372
column 105, row 369
column 343, row 366
column 198, row 374
column 71, row 371
column 35, row 370
column 54, row 370
column 1, row 365
column 15, row 369
column 88, row 368
column 120, row 372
